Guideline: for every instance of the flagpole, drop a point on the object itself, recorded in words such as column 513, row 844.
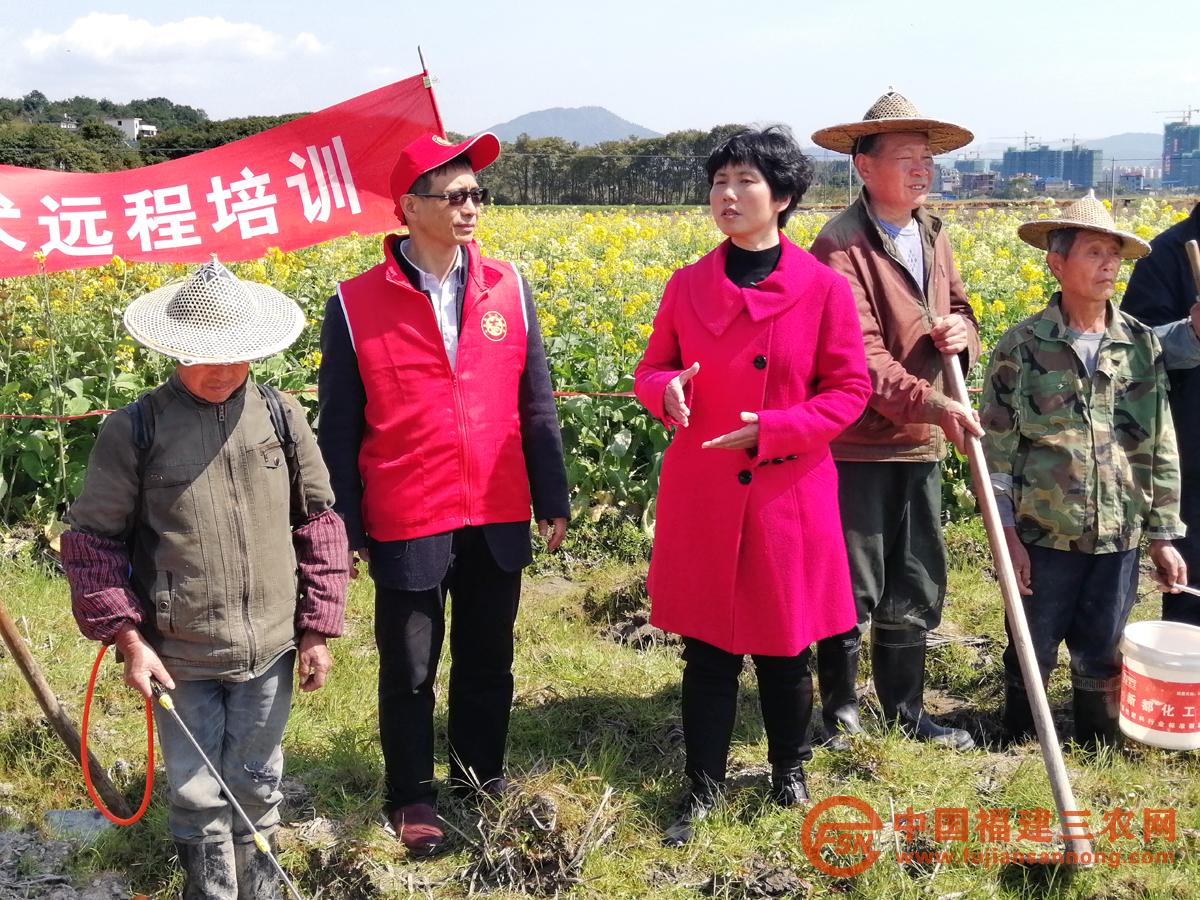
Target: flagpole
column 428, row 81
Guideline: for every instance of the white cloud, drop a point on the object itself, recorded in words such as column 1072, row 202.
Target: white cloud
column 307, row 42
column 118, row 39
column 227, row 68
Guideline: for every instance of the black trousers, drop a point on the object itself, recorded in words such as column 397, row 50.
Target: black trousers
column 710, row 688
column 1084, row 599
column 409, row 629
column 892, row 522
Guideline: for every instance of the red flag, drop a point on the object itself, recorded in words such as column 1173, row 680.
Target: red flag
column 312, row 179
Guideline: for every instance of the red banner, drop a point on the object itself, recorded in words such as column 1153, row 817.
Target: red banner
column 312, row 179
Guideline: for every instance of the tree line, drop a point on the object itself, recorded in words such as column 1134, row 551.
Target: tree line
column 666, row 170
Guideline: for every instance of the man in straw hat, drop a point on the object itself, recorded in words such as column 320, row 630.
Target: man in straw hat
column 439, row 428
column 913, row 311
column 1081, row 449
column 205, row 546
column 1162, row 290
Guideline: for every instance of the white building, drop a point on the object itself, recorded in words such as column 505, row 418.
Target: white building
column 133, row 129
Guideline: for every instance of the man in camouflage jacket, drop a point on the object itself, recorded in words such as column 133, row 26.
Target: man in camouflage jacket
column 1082, row 452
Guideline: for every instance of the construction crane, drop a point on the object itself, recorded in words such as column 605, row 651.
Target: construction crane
column 1185, row 115
column 1026, row 137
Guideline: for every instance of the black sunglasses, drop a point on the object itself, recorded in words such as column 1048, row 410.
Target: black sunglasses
column 458, row 198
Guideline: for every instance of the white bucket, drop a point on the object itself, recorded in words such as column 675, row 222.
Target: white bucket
column 1160, row 684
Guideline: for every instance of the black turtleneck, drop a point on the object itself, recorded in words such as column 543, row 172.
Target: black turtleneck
column 746, row 268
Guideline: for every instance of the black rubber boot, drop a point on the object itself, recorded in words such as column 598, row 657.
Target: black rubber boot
column 898, row 664
column 697, row 804
column 837, row 673
column 208, row 871
column 789, row 786
column 1096, row 714
column 1018, row 716
column 257, row 878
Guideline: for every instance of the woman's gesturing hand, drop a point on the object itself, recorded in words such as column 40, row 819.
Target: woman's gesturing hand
column 673, row 403
column 744, row 438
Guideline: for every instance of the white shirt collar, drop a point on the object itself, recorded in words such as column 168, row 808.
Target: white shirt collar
column 430, row 282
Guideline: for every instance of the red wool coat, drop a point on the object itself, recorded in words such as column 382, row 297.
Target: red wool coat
column 748, row 549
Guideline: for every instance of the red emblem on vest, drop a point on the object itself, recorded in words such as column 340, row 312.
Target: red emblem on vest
column 494, row 326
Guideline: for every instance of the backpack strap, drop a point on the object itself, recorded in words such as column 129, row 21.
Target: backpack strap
column 279, row 418
column 141, row 414
column 141, row 411
column 283, row 431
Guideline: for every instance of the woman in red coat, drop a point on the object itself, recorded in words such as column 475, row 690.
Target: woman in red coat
column 756, row 360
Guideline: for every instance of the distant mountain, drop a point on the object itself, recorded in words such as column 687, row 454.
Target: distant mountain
column 1137, row 148
column 585, row 125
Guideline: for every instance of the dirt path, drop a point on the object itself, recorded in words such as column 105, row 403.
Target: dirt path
column 32, row 865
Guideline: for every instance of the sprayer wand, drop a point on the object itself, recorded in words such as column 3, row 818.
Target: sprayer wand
column 263, row 845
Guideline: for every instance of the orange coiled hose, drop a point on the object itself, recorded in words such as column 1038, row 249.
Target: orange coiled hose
column 87, row 774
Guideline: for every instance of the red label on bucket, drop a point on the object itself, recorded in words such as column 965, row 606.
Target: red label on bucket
column 1170, row 706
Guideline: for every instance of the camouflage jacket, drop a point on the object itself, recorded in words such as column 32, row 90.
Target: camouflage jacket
column 1087, row 462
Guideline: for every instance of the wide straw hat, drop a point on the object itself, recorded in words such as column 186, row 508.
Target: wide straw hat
column 891, row 113
column 1087, row 213
column 211, row 317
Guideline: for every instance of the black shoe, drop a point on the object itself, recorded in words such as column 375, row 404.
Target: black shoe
column 497, row 788
column 898, row 668
column 789, row 787
column 494, row 789
column 837, row 673
column 695, row 808
column 1096, row 715
column 208, row 871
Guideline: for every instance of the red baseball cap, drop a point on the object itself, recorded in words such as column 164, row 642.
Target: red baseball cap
column 430, row 151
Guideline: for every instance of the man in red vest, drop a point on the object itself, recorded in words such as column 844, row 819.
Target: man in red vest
column 437, row 423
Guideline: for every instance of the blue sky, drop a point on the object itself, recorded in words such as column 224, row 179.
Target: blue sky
column 1000, row 69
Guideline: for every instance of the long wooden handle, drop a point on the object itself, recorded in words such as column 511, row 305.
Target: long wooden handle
column 1060, row 784
column 55, row 714
column 1193, row 255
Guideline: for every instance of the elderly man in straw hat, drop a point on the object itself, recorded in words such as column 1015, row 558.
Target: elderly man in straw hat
column 1081, row 448
column 913, row 311
column 205, row 546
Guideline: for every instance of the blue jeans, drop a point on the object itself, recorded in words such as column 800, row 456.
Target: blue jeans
column 1084, row 599
column 240, row 727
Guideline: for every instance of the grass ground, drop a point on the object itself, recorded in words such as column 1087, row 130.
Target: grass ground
column 595, row 746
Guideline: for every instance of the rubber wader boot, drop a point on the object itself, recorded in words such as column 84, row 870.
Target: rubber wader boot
column 837, row 672
column 1018, row 715
column 257, row 878
column 898, row 667
column 208, row 870
column 1096, row 715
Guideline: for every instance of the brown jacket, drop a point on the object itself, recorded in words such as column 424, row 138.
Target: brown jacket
column 896, row 316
